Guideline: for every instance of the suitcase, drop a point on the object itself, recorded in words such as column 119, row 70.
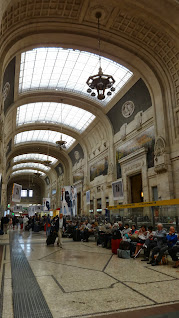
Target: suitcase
column 36, row 228
column 51, row 238
column 21, row 226
column 124, row 245
column 123, row 254
column 115, row 245
column 76, row 235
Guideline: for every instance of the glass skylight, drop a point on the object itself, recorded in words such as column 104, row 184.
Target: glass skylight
column 27, row 171
column 56, row 113
column 66, row 70
column 42, row 136
column 31, row 165
column 34, row 157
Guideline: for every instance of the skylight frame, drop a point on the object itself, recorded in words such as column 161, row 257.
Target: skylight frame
column 28, row 171
column 34, row 157
column 35, row 165
column 40, row 67
column 75, row 118
column 44, row 136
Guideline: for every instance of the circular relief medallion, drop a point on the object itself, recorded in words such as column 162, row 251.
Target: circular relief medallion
column 128, row 109
column 6, row 90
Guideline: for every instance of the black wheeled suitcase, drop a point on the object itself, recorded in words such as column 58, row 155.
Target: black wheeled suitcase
column 51, row 239
column 76, row 235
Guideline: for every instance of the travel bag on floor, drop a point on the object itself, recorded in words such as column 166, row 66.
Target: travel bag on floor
column 115, row 245
column 124, row 245
column 76, row 235
column 51, row 238
column 123, row 253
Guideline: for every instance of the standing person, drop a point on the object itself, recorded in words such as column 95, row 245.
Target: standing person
column 5, row 224
column 60, row 230
column 48, row 225
column 2, row 223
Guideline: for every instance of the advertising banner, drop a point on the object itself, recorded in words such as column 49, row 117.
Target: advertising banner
column 69, row 200
column 17, row 208
column 117, row 189
column 31, row 210
column 16, row 192
column 46, row 204
column 88, row 197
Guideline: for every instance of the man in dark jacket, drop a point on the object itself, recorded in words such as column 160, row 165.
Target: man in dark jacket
column 5, row 224
column 169, row 241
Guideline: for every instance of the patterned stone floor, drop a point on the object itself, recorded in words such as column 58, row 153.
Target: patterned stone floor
column 83, row 280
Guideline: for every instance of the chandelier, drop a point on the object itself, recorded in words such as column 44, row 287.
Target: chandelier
column 61, row 144
column 100, row 82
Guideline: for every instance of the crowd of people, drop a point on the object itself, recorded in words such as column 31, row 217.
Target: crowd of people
column 154, row 243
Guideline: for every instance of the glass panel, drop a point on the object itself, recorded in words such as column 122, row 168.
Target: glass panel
column 31, row 165
column 66, row 70
column 56, row 113
column 23, row 193
column 26, row 171
column 42, row 136
column 30, row 193
column 34, row 156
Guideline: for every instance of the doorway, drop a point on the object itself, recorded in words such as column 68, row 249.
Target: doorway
column 136, row 188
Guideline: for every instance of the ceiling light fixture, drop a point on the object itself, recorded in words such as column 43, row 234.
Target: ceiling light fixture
column 100, row 82
column 61, row 144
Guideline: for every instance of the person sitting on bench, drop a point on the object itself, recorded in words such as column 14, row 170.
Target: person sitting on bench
column 168, row 243
column 173, row 253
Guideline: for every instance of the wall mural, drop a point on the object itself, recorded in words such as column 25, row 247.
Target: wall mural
column 78, row 176
column 136, row 99
column 8, row 85
column 99, row 168
column 47, row 180
column 145, row 139
column 59, row 169
column 76, row 154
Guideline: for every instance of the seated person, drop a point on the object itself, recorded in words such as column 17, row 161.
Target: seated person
column 121, row 227
column 142, row 236
column 126, row 230
column 150, row 243
column 171, row 239
column 173, row 253
column 133, row 230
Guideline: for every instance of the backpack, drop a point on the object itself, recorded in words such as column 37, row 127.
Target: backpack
column 124, row 245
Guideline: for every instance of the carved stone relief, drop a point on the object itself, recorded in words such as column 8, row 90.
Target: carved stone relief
column 128, row 109
column 160, row 146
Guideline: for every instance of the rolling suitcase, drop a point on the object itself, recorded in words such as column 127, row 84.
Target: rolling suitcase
column 51, row 238
column 115, row 245
column 76, row 235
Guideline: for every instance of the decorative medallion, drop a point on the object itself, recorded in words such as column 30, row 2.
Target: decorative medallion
column 160, row 146
column 6, row 90
column 128, row 108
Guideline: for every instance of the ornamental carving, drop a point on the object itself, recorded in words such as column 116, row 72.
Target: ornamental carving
column 128, row 109
column 160, row 146
column 5, row 91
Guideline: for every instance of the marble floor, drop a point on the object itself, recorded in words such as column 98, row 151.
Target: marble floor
column 84, row 280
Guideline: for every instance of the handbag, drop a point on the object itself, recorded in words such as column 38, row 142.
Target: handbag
column 48, row 225
column 123, row 254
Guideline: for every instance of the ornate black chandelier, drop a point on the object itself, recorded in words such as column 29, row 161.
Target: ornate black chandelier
column 61, row 144
column 100, row 82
